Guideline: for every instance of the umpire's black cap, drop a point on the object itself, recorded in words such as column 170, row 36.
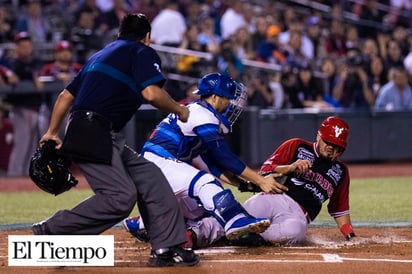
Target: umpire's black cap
column 134, row 26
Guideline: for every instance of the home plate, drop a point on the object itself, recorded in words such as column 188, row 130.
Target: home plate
column 332, row 258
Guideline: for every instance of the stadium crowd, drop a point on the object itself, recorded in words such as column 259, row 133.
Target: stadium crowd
column 323, row 55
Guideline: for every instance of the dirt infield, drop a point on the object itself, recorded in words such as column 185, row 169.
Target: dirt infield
column 384, row 250
column 379, row 250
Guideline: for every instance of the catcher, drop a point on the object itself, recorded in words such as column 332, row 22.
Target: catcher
column 312, row 173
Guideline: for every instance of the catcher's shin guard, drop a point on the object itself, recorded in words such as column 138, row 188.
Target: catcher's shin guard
column 226, row 207
column 234, row 218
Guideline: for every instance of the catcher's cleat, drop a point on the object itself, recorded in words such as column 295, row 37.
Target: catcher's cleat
column 173, row 256
column 133, row 226
column 246, row 225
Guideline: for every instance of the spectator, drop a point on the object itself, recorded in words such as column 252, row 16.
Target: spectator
column 228, row 62
column 232, row 19
column 288, row 17
column 401, row 34
column 296, row 28
column 112, row 17
column 278, row 94
column 91, row 7
column 189, row 64
column 169, row 26
column 314, row 34
column 25, row 113
column 259, row 91
column 394, row 56
column 84, row 37
column 377, row 74
column 303, row 89
column 60, row 17
column 259, row 35
column 352, row 89
column 407, row 62
column 329, row 68
column 7, row 76
column 398, row 10
column 6, row 138
column 352, row 37
column 207, row 35
column 293, row 50
column 270, row 50
column 6, row 24
column 335, row 43
column 371, row 13
column 34, row 23
column 370, row 48
column 63, row 68
column 242, row 44
column 191, row 10
column 397, row 94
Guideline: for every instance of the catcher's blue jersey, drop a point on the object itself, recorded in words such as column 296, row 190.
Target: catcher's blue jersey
column 111, row 82
column 203, row 134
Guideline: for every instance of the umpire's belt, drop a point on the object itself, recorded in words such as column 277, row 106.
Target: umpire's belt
column 92, row 117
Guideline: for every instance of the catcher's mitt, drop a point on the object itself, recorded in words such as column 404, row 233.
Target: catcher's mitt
column 246, row 186
column 50, row 171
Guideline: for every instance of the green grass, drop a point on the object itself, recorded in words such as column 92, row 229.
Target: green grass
column 382, row 200
column 379, row 200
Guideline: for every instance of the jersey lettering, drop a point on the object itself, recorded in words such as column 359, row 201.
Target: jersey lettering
column 305, row 154
column 316, row 193
column 335, row 173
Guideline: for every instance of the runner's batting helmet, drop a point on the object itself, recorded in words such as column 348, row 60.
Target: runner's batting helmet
column 334, row 130
column 50, row 171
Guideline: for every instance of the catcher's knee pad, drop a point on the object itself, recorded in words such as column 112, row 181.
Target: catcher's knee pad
column 226, row 207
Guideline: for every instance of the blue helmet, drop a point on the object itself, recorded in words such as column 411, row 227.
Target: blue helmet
column 216, row 83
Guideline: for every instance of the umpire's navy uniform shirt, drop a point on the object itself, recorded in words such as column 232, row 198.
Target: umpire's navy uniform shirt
column 112, row 80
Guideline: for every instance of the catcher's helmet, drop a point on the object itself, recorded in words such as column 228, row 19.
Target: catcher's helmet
column 334, row 130
column 50, row 171
column 216, row 83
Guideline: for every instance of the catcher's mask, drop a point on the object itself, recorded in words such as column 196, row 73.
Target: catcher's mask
column 334, row 130
column 236, row 106
column 50, row 171
column 224, row 86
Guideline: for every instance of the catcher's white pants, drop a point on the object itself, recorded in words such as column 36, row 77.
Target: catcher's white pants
column 182, row 177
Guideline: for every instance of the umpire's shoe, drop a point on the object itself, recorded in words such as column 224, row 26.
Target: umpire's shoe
column 40, row 228
column 173, row 256
column 246, row 225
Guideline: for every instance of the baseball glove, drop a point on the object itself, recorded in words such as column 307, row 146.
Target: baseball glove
column 247, row 186
column 50, row 171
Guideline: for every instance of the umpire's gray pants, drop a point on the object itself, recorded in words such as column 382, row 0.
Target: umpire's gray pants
column 116, row 188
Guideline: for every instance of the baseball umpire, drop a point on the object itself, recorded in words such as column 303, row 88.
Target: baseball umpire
column 103, row 97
